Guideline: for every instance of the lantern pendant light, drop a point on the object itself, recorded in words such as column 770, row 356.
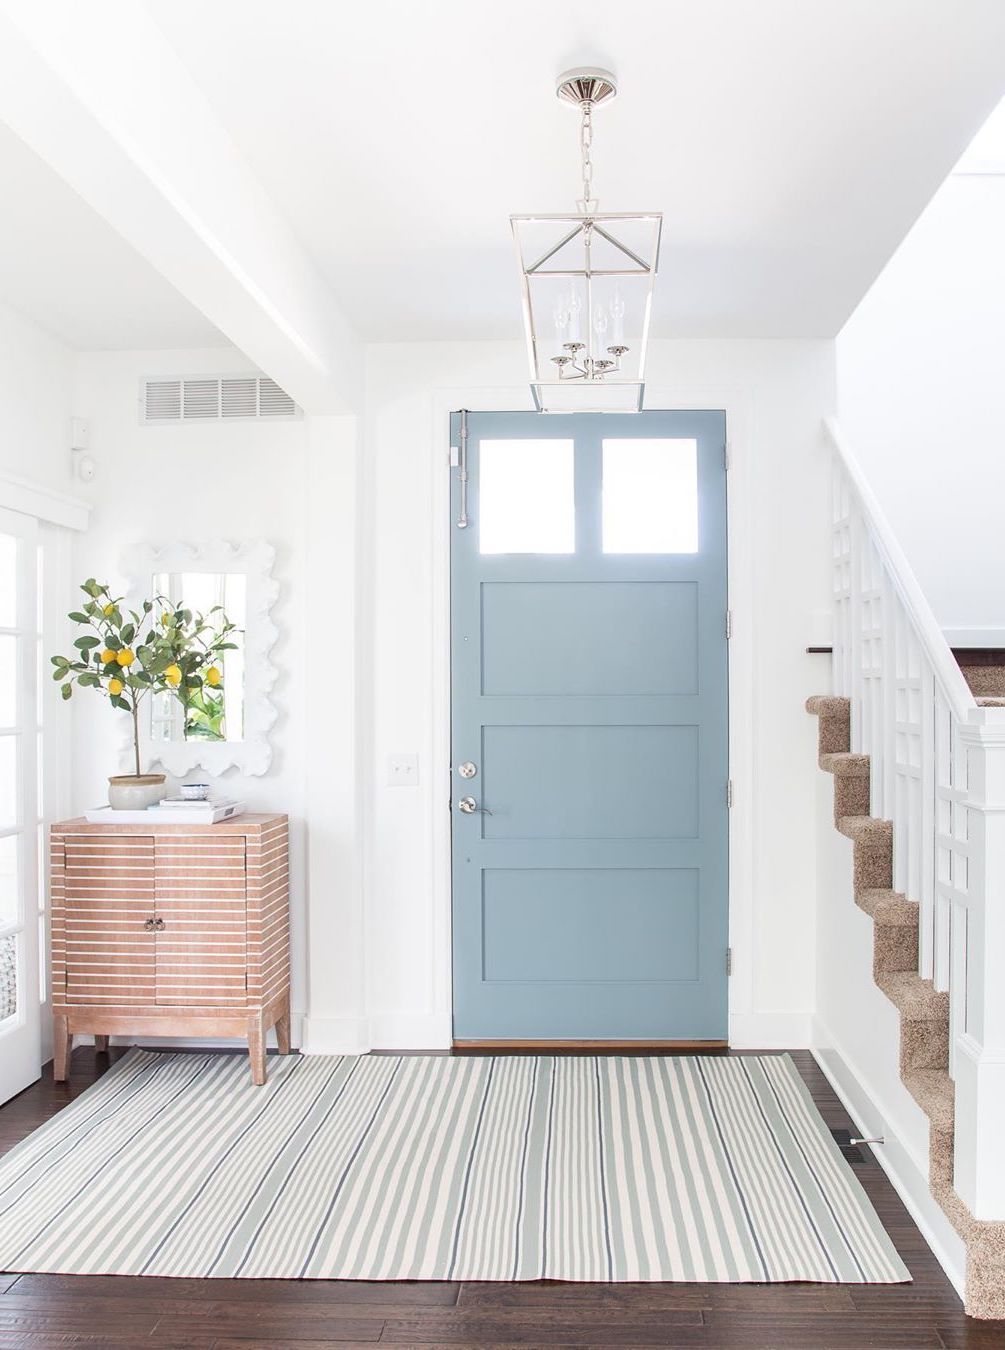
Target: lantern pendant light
column 587, row 283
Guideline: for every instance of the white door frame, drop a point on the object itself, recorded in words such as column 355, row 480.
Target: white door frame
column 21, row 1036
column 516, row 398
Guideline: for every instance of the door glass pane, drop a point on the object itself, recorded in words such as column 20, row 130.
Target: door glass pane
column 8, row 581
column 527, row 497
column 8, row 977
column 8, row 880
column 8, row 680
column 650, row 496
column 8, row 781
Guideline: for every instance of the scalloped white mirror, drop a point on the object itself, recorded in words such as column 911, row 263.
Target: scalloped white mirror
column 226, row 726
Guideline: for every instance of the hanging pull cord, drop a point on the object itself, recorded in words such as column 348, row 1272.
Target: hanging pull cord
column 587, row 203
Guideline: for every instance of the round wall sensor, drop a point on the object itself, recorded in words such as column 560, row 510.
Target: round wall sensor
column 86, row 467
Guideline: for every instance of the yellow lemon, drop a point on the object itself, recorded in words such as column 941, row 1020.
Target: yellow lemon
column 125, row 657
column 115, row 686
column 165, row 620
column 108, row 610
column 173, row 675
column 213, row 676
column 109, row 654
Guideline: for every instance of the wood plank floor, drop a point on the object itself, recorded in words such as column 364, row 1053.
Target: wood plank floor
column 48, row 1311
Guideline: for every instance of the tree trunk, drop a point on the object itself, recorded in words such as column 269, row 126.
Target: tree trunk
column 136, row 735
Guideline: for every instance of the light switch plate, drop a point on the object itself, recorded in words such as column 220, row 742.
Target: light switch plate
column 402, row 770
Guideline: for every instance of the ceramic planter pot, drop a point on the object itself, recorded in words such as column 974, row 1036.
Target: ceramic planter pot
column 135, row 792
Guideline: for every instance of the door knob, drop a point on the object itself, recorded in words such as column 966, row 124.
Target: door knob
column 149, row 925
column 159, row 925
column 469, row 806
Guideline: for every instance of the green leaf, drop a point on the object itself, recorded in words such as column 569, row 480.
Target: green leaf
column 119, row 702
column 128, row 633
column 77, row 617
column 85, row 643
column 67, row 690
column 89, row 680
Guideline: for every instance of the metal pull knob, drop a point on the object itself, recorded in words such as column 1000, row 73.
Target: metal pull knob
column 469, row 806
column 149, row 925
column 159, row 925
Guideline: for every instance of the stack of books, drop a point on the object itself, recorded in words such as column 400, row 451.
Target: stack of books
column 179, row 811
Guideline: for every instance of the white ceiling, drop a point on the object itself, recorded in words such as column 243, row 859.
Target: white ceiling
column 790, row 143
column 68, row 271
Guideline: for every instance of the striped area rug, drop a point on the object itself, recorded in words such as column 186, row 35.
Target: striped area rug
column 427, row 1167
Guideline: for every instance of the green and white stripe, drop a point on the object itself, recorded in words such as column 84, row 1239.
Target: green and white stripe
column 427, row 1167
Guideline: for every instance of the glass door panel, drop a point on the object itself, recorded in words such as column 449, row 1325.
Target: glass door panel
column 20, row 1031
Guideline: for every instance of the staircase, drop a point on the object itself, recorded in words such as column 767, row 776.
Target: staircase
column 915, row 744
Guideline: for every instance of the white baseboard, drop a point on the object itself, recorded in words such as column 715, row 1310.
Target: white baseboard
column 411, row 1031
column 974, row 637
column 908, row 1179
column 770, row 1031
column 382, row 1031
column 335, row 1036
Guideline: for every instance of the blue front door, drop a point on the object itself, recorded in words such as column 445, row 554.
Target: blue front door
column 589, row 727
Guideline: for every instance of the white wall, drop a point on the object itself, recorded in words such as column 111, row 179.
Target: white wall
column 776, row 394
column 34, row 403
column 920, row 367
column 362, row 654
column 293, row 484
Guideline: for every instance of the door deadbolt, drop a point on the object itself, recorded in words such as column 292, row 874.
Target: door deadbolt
column 467, row 769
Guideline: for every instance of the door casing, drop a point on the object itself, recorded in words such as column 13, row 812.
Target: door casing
column 435, row 1026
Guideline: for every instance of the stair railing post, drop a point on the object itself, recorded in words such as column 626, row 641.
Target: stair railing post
column 979, row 1176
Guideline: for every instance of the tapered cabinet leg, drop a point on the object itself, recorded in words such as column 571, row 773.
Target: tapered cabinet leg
column 283, row 1031
column 256, row 1048
column 101, row 1044
column 62, row 1044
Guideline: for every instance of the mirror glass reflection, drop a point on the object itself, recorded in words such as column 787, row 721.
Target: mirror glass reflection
column 215, row 710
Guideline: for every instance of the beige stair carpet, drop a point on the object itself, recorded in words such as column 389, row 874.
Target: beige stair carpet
column 924, row 1010
column 383, row 1167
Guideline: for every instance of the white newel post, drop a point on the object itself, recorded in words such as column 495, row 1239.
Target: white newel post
column 980, row 1044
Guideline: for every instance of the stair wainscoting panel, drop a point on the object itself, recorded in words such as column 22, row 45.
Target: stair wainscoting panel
column 924, row 1010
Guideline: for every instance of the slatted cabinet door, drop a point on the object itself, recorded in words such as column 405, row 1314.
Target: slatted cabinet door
column 102, row 916
column 202, row 926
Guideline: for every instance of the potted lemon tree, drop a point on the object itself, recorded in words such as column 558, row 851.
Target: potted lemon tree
column 127, row 655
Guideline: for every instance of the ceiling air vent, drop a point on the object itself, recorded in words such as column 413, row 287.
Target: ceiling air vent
column 214, row 398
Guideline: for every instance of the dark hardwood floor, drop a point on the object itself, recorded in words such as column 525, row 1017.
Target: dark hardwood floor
column 43, row 1311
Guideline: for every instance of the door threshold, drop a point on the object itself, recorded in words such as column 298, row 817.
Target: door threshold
column 608, row 1047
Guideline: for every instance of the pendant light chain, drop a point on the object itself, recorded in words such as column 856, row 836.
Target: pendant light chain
column 588, row 205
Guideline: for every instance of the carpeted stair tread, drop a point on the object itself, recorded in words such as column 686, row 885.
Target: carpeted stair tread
column 867, row 830
column 828, row 705
column 917, row 999
column 888, row 907
column 933, row 1090
column 843, row 764
column 991, row 703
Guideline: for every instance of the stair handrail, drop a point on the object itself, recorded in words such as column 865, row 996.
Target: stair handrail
column 930, row 635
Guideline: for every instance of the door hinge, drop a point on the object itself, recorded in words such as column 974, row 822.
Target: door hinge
column 729, row 624
column 729, row 792
column 729, row 960
column 725, row 456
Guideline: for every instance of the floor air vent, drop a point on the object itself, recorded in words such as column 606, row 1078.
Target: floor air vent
column 214, row 398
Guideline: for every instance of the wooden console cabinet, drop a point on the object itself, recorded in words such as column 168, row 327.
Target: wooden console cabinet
column 171, row 930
